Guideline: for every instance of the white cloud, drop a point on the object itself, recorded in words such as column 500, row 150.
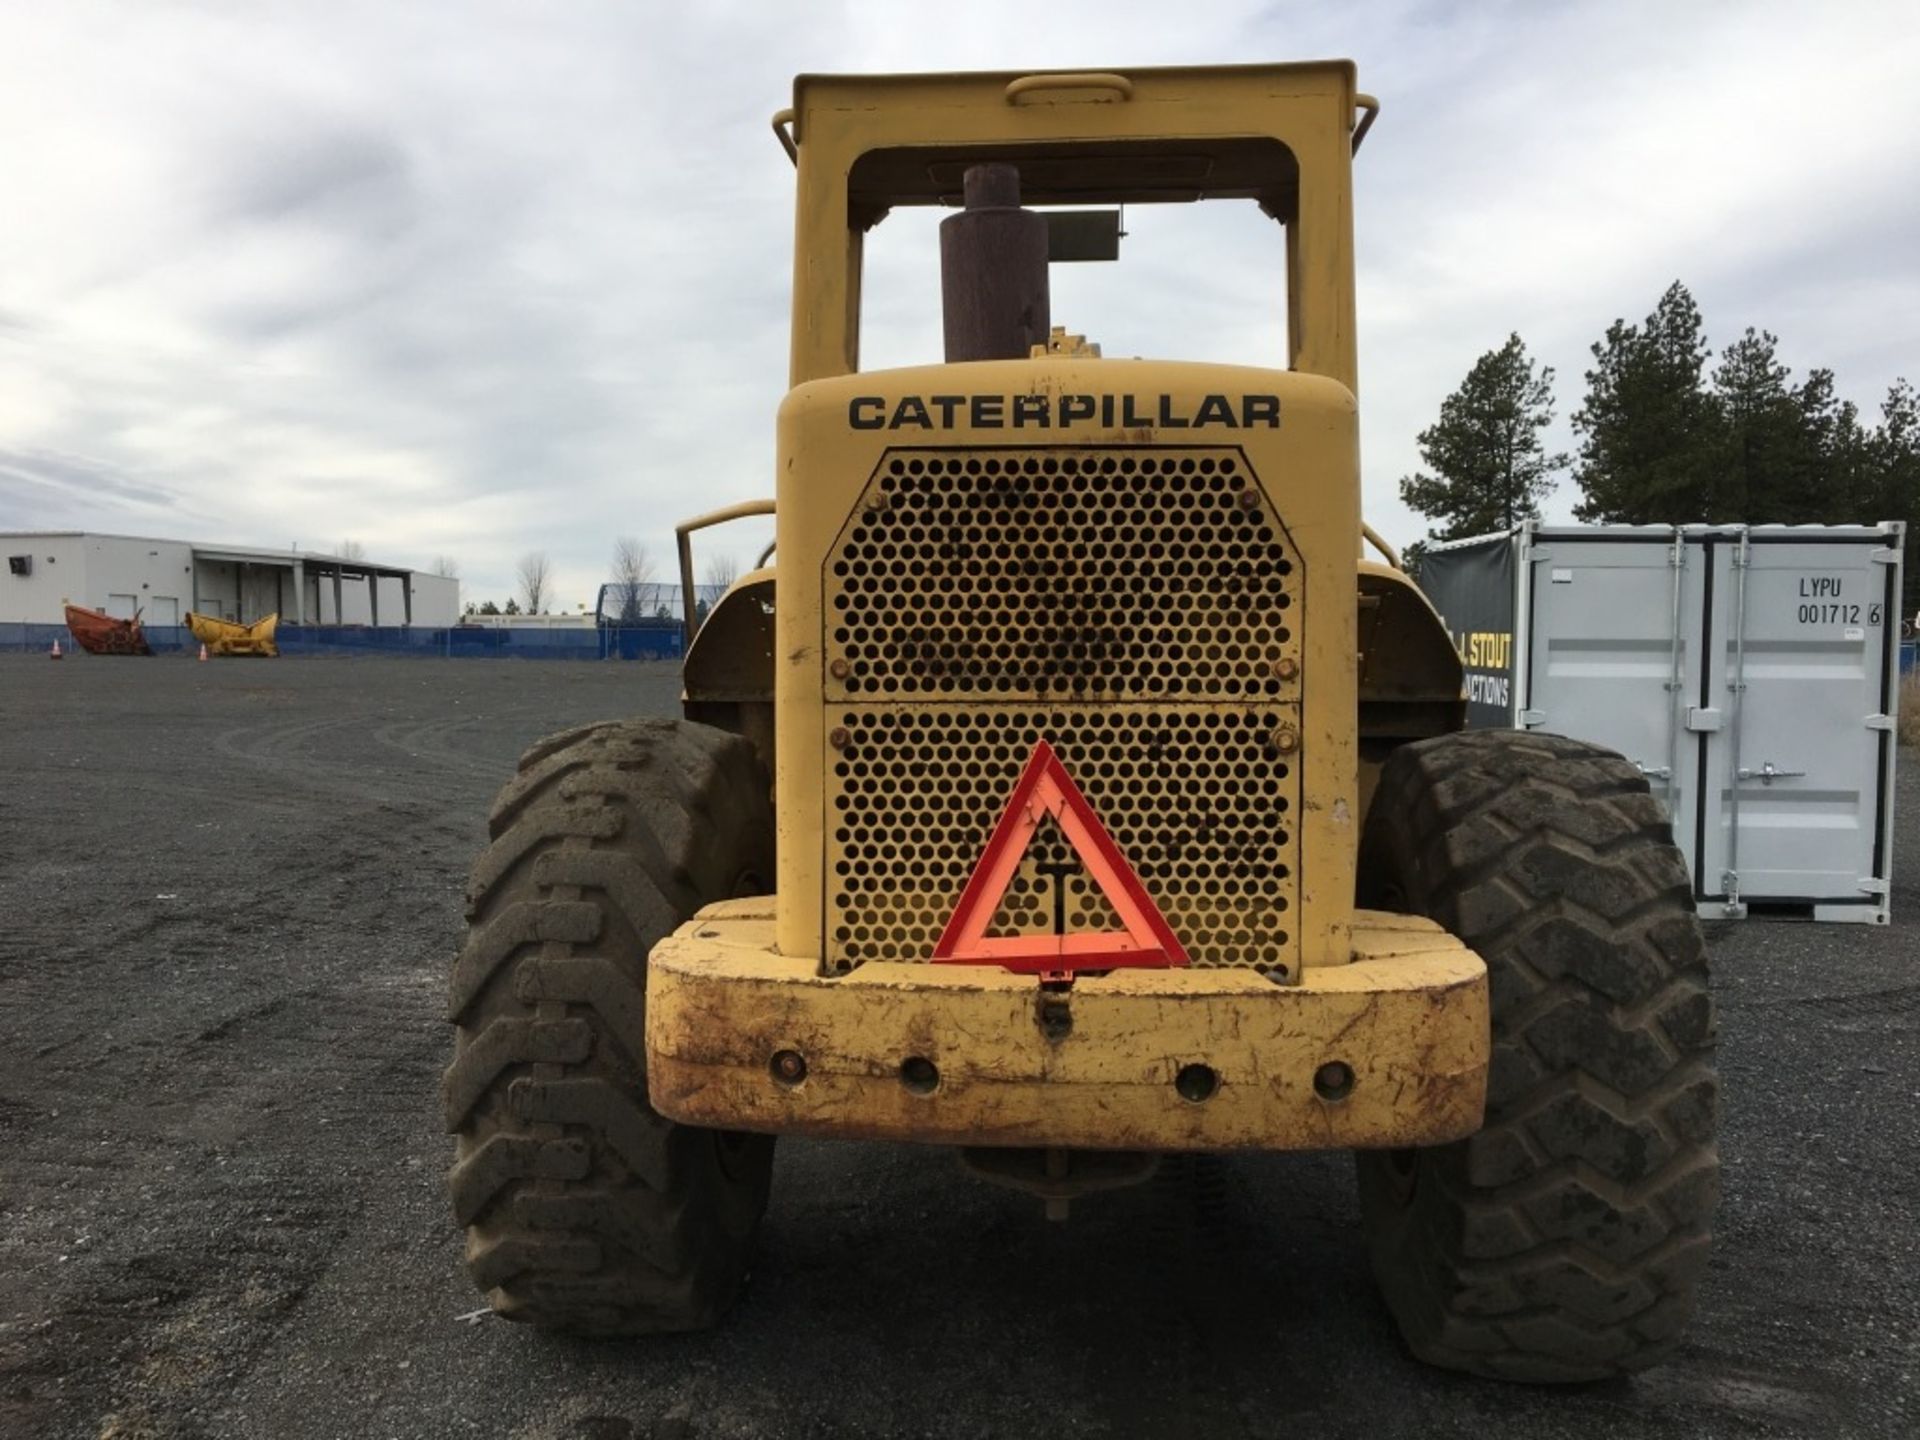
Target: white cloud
column 475, row 278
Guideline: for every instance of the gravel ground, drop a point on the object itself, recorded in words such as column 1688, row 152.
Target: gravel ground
column 228, row 897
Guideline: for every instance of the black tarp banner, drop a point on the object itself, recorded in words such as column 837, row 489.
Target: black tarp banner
column 1471, row 585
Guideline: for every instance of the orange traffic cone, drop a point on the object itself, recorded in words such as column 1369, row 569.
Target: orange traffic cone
column 203, row 649
column 55, row 653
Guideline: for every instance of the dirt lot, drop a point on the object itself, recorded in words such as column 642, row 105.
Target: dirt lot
column 228, row 897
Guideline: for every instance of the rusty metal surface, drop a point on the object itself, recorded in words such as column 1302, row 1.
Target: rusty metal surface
column 1408, row 665
column 731, row 657
column 99, row 633
column 993, row 271
column 1097, row 1067
column 1058, row 1176
column 1410, row 679
column 727, row 677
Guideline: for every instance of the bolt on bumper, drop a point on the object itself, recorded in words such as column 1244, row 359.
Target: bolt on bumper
column 1388, row 1050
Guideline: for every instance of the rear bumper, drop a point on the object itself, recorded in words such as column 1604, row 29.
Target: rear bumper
column 1408, row 1017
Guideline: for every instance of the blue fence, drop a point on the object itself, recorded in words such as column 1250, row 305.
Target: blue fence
column 649, row 640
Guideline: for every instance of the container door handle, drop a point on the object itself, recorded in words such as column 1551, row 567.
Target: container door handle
column 1655, row 772
column 1768, row 773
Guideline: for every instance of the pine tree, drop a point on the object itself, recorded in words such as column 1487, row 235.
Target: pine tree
column 1648, row 425
column 1893, row 455
column 1828, row 472
column 1489, row 468
column 1892, row 463
column 1756, row 436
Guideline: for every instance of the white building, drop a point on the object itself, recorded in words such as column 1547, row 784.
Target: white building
column 163, row 579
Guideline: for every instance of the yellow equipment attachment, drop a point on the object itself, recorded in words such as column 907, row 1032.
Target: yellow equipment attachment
column 226, row 637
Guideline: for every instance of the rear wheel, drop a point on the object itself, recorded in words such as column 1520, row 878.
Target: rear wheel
column 584, row 1209
column 1564, row 1241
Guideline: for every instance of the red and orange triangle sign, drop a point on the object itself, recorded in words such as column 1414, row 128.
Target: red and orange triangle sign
column 1045, row 789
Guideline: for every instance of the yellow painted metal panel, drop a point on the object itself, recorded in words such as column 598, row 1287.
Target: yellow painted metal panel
column 921, row 513
column 1408, row 1016
column 1192, row 113
column 1304, row 464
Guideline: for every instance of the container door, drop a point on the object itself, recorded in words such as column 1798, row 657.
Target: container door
column 1605, row 659
column 162, row 610
column 121, row 607
column 1806, row 657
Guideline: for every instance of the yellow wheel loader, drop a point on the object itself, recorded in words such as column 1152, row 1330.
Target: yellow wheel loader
column 1064, row 790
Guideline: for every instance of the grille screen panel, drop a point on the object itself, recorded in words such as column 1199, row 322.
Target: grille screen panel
column 1134, row 607
column 1123, row 574
column 1198, row 798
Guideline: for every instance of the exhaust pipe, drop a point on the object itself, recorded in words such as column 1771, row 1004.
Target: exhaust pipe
column 993, row 271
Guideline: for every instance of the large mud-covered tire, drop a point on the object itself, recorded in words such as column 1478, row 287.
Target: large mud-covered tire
column 1564, row 1241
column 584, row 1209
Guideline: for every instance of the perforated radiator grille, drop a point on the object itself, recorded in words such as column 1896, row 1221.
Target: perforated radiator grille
column 1198, row 798
column 1130, row 606
column 1131, row 574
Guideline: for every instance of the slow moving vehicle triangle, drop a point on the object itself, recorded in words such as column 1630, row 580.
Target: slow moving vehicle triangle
column 1046, row 790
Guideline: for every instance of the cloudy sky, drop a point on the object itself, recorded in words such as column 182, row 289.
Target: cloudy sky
column 477, row 278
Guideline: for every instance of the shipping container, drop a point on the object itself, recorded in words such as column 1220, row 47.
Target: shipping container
column 1751, row 673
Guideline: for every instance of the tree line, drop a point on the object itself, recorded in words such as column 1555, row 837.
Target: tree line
column 1667, row 438
column 630, row 594
column 534, row 572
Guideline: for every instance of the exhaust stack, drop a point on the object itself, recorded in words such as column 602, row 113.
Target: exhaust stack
column 993, row 270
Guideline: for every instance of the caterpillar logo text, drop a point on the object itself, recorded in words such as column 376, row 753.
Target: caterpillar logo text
column 1064, row 412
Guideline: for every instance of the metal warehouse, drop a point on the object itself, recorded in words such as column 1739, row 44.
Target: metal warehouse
column 163, row 579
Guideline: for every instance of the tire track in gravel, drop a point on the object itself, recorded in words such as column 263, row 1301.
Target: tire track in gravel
column 222, row 1212
column 215, row 1085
